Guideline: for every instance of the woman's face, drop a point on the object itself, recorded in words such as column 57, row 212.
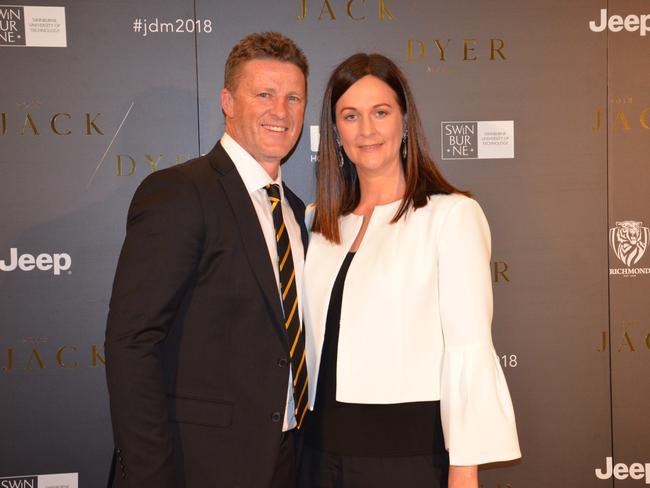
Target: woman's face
column 369, row 122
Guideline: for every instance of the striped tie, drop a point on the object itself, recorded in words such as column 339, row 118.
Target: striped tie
column 290, row 307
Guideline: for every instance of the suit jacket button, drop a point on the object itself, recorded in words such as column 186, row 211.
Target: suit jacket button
column 276, row 416
column 282, row 362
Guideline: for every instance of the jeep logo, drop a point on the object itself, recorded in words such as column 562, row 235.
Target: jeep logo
column 620, row 471
column 617, row 23
column 56, row 262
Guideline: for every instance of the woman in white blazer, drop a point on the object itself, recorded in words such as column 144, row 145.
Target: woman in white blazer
column 397, row 303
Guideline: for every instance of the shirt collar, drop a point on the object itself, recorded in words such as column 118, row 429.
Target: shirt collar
column 251, row 172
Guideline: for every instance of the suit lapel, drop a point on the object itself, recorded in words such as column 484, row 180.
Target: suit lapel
column 251, row 234
column 298, row 209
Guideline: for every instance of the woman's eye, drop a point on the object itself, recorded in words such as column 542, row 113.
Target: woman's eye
column 349, row 117
column 264, row 94
column 381, row 114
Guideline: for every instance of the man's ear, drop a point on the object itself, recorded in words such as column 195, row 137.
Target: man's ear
column 227, row 103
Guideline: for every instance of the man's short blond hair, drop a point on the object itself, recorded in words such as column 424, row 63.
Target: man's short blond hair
column 263, row 45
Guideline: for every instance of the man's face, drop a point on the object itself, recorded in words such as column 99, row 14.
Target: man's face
column 265, row 110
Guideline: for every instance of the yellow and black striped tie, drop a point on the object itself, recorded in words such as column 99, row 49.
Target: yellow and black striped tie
column 290, row 306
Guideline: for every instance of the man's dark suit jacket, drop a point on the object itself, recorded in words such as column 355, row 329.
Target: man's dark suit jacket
column 196, row 352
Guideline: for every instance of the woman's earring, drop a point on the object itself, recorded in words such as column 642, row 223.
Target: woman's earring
column 339, row 150
column 405, row 142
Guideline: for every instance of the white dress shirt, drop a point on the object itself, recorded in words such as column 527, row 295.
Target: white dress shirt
column 255, row 179
column 416, row 321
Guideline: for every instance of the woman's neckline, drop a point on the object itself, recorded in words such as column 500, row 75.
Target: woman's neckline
column 381, row 207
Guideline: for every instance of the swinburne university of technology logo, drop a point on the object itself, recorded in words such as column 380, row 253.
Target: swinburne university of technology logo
column 55, row 263
column 65, row 480
column 25, row 26
column 493, row 139
column 629, row 241
column 20, row 482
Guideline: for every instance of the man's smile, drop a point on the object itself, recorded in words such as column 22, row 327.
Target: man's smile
column 275, row 128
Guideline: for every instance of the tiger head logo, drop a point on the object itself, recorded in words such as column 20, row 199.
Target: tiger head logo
column 629, row 241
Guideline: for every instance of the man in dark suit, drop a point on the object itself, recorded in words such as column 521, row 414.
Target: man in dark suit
column 204, row 344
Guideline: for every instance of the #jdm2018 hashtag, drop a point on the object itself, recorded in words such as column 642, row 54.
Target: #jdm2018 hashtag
column 145, row 27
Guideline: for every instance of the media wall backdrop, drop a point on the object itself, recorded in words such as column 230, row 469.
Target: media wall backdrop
column 541, row 109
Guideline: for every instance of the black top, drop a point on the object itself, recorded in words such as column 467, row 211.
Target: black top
column 352, row 429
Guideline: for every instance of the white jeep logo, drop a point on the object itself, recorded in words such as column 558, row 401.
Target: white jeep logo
column 617, row 23
column 620, row 471
column 56, row 262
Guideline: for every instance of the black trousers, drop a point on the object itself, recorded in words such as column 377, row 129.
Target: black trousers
column 324, row 470
column 285, row 474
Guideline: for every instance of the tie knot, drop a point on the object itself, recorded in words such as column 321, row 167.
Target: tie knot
column 273, row 190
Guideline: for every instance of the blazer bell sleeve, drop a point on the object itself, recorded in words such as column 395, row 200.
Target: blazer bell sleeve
column 476, row 410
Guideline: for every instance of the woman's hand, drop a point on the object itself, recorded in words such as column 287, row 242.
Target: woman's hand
column 463, row 476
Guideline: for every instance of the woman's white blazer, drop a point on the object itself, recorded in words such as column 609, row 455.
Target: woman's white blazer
column 416, row 321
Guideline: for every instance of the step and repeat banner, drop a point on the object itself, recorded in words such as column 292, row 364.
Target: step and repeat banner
column 542, row 110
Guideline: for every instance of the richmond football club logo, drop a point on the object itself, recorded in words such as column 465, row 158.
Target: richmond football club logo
column 629, row 241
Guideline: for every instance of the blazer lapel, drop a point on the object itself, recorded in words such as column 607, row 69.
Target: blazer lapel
column 299, row 212
column 251, row 234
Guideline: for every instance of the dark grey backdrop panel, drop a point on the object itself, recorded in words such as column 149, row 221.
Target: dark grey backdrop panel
column 130, row 104
column 629, row 175
column 62, row 194
column 547, row 207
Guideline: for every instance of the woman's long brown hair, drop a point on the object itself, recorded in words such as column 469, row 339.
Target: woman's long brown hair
column 337, row 188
